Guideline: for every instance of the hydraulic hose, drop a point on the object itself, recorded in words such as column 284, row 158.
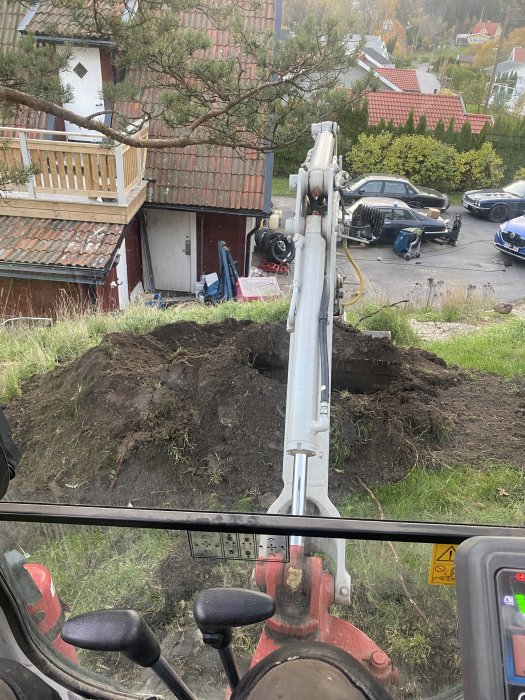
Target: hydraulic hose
column 323, row 344
column 359, row 275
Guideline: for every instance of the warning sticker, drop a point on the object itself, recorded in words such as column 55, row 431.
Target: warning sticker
column 442, row 572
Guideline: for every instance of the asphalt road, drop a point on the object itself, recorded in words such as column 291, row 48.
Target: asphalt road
column 474, row 264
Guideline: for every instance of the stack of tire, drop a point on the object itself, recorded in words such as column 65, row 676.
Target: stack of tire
column 277, row 247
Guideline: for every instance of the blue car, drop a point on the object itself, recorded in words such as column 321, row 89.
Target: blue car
column 510, row 238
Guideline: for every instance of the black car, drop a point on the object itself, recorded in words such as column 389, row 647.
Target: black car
column 498, row 203
column 399, row 216
column 378, row 185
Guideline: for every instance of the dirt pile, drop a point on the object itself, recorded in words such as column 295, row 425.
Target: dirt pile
column 192, row 416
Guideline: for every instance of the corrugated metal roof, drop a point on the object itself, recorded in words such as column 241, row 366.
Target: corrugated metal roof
column 78, row 244
column 396, row 106
column 11, row 14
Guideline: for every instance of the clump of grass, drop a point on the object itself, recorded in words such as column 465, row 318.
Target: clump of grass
column 373, row 317
column 181, row 448
column 27, row 351
column 499, row 349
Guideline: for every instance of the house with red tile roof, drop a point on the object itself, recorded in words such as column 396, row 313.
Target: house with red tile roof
column 97, row 224
column 404, row 78
column 398, row 106
column 482, row 32
column 388, row 79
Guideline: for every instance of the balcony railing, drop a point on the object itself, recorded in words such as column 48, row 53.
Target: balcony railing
column 87, row 169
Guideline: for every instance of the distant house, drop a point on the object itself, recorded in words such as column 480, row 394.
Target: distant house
column 404, row 78
column 396, row 107
column 373, row 44
column 483, row 32
column 510, row 78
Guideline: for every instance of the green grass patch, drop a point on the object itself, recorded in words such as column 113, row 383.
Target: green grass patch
column 493, row 494
column 373, row 317
column 280, row 187
column 498, row 349
column 96, row 568
column 27, row 351
column 455, row 199
column 392, row 602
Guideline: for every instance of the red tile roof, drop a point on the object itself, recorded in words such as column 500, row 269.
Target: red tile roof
column 205, row 176
column 398, row 105
column 405, row 79
column 490, row 28
column 11, row 14
column 518, row 54
column 52, row 20
column 77, row 244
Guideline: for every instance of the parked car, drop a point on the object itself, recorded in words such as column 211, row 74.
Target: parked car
column 379, row 185
column 510, row 238
column 498, row 203
column 398, row 216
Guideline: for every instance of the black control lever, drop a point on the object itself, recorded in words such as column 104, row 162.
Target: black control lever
column 127, row 632
column 217, row 610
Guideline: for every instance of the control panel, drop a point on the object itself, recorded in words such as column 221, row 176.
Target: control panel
column 510, row 588
column 490, row 589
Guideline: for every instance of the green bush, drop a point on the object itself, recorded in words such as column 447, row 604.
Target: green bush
column 481, row 167
column 519, row 174
column 368, row 154
column 426, row 161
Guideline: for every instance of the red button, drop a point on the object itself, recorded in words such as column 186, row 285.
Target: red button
column 520, row 576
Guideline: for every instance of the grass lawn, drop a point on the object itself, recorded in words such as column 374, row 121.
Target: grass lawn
column 280, row 187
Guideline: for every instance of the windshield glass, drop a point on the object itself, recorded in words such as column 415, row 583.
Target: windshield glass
column 184, row 329
column 160, row 573
column 517, row 188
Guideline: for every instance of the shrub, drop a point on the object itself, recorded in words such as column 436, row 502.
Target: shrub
column 369, row 153
column 519, row 174
column 481, row 167
column 424, row 160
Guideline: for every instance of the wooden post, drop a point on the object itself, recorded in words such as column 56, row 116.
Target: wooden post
column 139, row 164
column 121, row 186
column 26, row 160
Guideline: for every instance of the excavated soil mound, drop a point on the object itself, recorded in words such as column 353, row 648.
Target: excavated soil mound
column 192, row 416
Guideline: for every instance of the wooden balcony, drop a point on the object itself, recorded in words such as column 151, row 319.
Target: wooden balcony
column 81, row 181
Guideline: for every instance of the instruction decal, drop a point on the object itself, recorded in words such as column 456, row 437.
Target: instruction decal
column 442, row 568
column 232, row 545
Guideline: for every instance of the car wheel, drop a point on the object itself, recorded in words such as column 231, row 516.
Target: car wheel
column 282, row 249
column 407, row 256
column 260, row 235
column 498, row 214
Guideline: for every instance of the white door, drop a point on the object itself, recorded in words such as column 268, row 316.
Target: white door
column 172, row 244
column 85, row 78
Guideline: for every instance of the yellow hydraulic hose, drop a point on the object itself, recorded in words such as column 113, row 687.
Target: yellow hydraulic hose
column 359, row 274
